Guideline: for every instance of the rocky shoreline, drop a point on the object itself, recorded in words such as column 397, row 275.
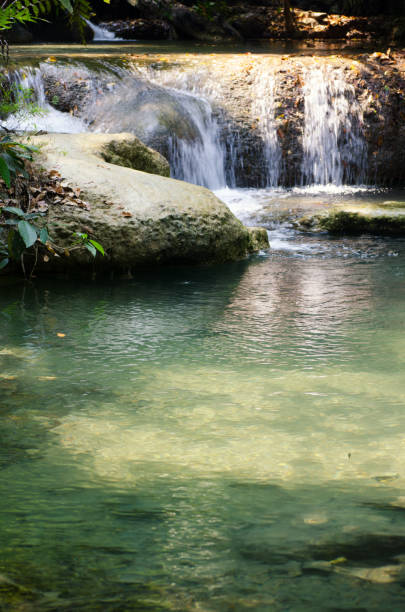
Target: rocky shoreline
column 217, row 22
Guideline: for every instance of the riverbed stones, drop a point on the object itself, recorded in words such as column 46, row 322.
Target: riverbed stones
column 139, row 218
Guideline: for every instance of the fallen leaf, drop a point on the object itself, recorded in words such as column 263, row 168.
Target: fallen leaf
column 338, row 560
column 60, row 335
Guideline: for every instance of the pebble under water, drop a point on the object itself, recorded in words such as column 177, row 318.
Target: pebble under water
column 220, row 438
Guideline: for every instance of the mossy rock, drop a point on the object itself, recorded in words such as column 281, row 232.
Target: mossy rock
column 259, row 239
column 140, row 219
column 136, row 155
column 350, row 222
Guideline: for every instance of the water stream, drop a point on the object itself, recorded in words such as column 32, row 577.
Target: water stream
column 102, row 34
column 183, row 109
column 219, row 438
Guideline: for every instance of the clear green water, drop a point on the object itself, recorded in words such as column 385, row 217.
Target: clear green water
column 208, row 439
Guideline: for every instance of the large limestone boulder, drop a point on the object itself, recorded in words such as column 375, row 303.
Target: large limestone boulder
column 139, row 218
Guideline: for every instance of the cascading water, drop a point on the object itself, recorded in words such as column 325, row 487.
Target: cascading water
column 179, row 123
column 36, row 113
column 333, row 145
column 102, row 34
column 201, row 161
column 187, row 115
column 263, row 115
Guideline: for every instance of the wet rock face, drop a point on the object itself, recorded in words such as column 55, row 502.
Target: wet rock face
column 380, row 85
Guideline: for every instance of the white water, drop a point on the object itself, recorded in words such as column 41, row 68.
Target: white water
column 179, row 112
column 46, row 118
column 201, row 161
column 263, row 113
column 102, row 34
column 333, row 142
column 332, row 139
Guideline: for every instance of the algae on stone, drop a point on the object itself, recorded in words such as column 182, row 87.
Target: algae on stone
column 351, row 222
column 133, row 153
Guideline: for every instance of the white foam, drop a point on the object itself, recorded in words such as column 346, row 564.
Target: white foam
column 102, row 34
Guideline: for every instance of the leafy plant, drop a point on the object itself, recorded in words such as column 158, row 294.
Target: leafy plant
column 91, row 245
column 13, row 156
column 21, row 232
column 14, row 97
column 25, row 11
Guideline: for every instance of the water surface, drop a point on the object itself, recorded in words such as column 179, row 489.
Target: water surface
column 225, row 438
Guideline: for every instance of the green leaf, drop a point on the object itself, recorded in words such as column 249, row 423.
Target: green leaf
column 3, row 263
column 5, row 173
column 66, row 5
column 98, row 246
column 27, row 233
column 43, row 235
column 14, row 210
column 91, row 249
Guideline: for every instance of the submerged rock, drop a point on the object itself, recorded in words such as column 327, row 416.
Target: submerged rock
column 139, row 218
column 349, row 220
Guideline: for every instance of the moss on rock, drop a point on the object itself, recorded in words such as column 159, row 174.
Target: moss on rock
column 351, row 222
column 259, row 239
column 139, row 218
column 133, row 153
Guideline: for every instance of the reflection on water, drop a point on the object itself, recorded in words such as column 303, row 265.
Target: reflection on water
column 208, row 439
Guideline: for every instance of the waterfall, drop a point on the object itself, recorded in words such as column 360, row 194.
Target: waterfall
column 201, row 161
column 333, row 144
column 214, row 133
column 101, row 34
column 35, row 113
column 180, row 124
column 264, row 120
